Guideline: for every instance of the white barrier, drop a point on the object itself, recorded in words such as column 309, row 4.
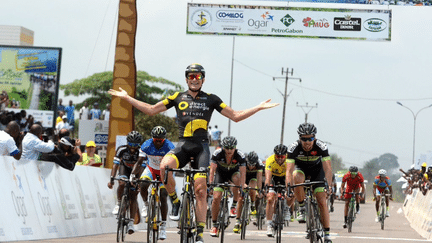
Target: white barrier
column 418, row 211
column 40, row 200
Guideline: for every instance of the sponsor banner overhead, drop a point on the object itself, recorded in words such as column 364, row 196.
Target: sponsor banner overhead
column 289, row 22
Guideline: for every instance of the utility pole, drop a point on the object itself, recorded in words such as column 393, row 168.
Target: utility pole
column 305, row 107
column 285, row 96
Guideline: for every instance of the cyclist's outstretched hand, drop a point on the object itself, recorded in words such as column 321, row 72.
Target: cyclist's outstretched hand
column 266, row 104
column 121, row 93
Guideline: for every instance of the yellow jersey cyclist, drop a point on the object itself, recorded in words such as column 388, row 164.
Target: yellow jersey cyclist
column 126, row 157
column 228, row 164
column 275, row 170
column 254, row 171
column 194, row 109
column 308, row 158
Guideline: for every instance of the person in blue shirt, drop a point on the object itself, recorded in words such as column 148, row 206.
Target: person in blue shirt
column 95, row 113
column 381, row 186
column 155, row 148
column 60, row 107
column 70, row 109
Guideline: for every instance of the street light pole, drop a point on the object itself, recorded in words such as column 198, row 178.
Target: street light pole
column 415, row 119
column 285, row 96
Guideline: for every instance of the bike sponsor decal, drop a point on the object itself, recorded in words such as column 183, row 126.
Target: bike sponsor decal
column 347, row 23
column 375, row 25
column 201, row 19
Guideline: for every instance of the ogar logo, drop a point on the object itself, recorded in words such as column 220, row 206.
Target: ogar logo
column 375, row 25
column 229, row 15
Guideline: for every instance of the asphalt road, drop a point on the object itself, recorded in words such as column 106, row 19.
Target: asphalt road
column 397, row 229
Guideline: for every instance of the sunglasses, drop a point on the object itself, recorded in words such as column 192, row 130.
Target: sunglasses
column 195, row 76
column 233, row 147
column 307, row 139
column 353, row 173
column 280, row 156
column 158, row 139
column 134, row 145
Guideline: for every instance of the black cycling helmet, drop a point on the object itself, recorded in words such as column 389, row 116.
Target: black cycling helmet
column 280, row 149
column 306, row 129
column 158, row 132
column 353, row 169
column 252, row 158
column 229, row 142
column 195, row 68
column 134, row 137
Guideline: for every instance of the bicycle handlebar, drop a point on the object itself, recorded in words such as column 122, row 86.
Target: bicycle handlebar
column 184, row 170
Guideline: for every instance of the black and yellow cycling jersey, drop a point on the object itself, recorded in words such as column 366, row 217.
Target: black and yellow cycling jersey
column 193, row 114
column 274, row 167
column 308, row 159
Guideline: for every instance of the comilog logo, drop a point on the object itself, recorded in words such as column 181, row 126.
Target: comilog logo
column 229, row 14
column 375, row 25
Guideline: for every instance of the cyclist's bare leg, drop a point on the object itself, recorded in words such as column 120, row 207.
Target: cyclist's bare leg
column 271, row 199
column 201, row 198
column 378, row 199
column 252, row 193
column 134, row 205
column 357, row 196
column 217, row 197
column 299, row 191
column 324, row 212
column 239, row 206
column 164, row 203
column 236, row 181
column 387, row 200
column 171, row 163
column 347, row 201
column 144, row 190
column 120, row 190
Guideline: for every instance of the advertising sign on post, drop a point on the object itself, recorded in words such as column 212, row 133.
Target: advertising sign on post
column 306, row 22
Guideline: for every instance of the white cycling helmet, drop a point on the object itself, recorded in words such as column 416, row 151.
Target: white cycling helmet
column 382, row 172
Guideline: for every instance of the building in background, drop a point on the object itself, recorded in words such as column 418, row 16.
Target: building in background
column 16, row 36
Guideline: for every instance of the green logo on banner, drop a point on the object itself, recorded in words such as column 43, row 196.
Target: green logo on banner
column 287, row 20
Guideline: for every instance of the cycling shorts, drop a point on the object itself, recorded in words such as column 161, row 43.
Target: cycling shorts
column 315, row 173
column 124, row 171
column 222, row 177
column 277, row 180
column 151, row 174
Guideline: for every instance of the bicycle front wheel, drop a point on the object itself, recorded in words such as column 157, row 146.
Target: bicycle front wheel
column 382, row 212
column 223, row 218
column 260, row 214
column 350, row 216
column 121, row 219
column 244, row 218
column 185, row 219
column 310, row 221
column 151, row 221
column 279, row 221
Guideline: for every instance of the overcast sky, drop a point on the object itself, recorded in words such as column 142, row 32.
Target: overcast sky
column 355, row 83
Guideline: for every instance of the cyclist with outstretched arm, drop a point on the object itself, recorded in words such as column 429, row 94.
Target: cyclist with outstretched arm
column 194, row 109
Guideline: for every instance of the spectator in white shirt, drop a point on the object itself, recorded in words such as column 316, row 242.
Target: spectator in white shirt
column 7, row 140
column 33, row 145
column 106, row 112
column 84, row 112
column 63, row 124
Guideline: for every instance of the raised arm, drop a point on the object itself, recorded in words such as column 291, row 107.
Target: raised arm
column 243, row 114
column 142, row 106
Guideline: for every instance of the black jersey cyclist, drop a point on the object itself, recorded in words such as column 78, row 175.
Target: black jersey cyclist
column 308, row 158
column 194, row 109
column 228, row 164
column 254, row 172
column 125, row 159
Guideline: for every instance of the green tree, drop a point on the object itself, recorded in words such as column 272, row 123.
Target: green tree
column 370, row 169
column 149, row 89
column 336, row 163
column 145, row 123
column 388, row 162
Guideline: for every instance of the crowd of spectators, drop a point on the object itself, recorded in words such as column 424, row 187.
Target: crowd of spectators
column 418, row 178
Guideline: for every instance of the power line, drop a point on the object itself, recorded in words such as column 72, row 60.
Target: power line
column 333, row 94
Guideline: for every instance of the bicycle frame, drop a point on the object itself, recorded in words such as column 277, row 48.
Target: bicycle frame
column 351, row 210
column 382, row 209
column 223, row 216
column 123, row 216
column 314, row 229
column 187, row 222
column 278, row 216
column 153, row 218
